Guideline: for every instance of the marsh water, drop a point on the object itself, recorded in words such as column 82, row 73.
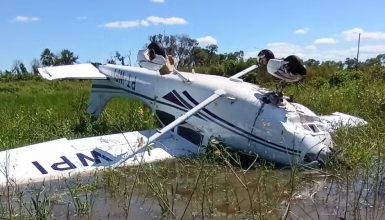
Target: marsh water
column 191, row 189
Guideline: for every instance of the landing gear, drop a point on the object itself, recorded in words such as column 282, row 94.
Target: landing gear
column 290, row 69
column 155, row 58
column 156, row 49
column 264, row 56
column 295, row 65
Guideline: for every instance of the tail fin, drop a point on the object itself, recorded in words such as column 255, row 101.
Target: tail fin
column 102, row 89
column 77, row 71
column 338, row 120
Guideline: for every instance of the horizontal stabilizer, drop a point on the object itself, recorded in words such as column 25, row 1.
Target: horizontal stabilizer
column 337, row 120
column 77, row 71
column 65, row 158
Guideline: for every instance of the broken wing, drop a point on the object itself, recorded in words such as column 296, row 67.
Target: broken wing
column 64, row 158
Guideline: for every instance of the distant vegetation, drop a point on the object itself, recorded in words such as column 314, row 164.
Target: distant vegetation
column 191, row 56
column 47, row 58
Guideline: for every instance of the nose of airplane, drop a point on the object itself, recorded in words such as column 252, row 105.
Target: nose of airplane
column 319, row 158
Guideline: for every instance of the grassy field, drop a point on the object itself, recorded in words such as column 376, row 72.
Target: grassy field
column 34, row 110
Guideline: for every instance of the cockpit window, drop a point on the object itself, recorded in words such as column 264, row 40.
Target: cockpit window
column 164, row 117
column 190, row 135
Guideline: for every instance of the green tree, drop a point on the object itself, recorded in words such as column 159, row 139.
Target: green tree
column 19, row 67
column 66, row 57
column 23, row 69
column 212, row 48
column 238, row 55
column 199, row 56
column 179, row 46
column 47, row 58
column 350, row 63
column 35, row 64
column 118, row 58
column 381, row 58
column 312, row 63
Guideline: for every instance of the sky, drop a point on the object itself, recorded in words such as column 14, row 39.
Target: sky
column 94, row 30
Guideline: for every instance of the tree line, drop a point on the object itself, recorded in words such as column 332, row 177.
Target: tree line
column 47, row 58
column 192, row 57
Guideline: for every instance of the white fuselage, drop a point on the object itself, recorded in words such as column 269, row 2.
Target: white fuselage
column 245, row 118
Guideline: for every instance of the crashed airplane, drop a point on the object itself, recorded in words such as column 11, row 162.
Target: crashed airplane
column 194, row 109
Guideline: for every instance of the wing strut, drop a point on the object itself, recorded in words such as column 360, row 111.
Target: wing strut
column 218, row 93
column 243, row 72
column 188, row 114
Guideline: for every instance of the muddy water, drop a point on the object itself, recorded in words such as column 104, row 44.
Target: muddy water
column 358, row 196
column 193, row 190
column 76, row 198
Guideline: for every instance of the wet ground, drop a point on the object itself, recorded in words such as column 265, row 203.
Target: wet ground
column 192, row 190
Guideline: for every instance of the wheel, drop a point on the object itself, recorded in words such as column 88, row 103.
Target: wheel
column 156, row 48
column 295, row 65
column 264, row 56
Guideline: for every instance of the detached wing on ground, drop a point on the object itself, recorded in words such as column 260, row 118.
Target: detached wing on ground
column 63, row 158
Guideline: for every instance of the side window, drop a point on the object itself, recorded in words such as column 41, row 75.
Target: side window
column 190, row 135
column 165, row 117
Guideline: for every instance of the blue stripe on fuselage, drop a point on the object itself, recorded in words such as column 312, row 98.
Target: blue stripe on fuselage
column 248, row 134
column 137, row 94
column 233, row 128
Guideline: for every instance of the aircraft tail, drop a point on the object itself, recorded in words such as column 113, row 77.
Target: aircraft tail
column 77, row 71
column 102, row 89
column 338, row 120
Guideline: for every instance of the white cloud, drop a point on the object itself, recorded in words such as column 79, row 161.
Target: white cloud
column 372, row 49
column 305, row 52
column 352, row 35
column 207, row 40
column 301, row 31
column 122, row 24
column 337, row 50
column 82, row 18
column 310, row 47
column 157, row 1
column 168, row 21
column 283, row 49
column 151, row 20
column 326, row 40
column 144, row 23
column 25, row 19
column 366, row 52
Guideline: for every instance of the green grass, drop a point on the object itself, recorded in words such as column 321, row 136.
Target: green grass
column 34, row 111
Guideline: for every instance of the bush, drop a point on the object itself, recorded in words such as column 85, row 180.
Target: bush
column 9, row 77
column 343, row 76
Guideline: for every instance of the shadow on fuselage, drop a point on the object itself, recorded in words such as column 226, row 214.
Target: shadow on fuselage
column 218, row 153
